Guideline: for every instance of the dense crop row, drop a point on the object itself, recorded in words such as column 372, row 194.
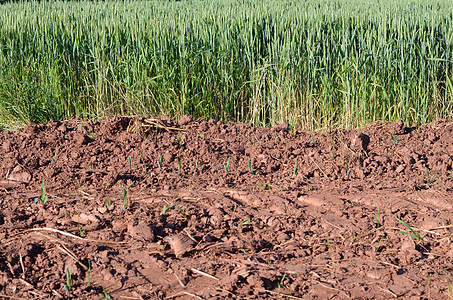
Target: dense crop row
column 313, row 63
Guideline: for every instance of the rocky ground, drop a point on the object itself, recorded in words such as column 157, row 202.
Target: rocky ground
column 145, row 208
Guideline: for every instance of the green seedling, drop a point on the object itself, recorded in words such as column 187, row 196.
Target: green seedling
column 246, row 222
column 68, row 285
column 178, row 162
column 395, row 142
column 106, row 296
column 43, row 196
column 179, row 138
column 82, row 231
column 165, row 209
column 54, row 158
column 159, row 162
column 413, row 234
column 89, row 272
column 429, row 177
column 107, row 204
column 227, row 165
column 125, row 195
column 295, row 170
column 281, row 285
column 449, row 283
column 196, row 165
column 144, row 163
column 313, row 139
column 250, row 167
column 183, row 212
column 129, row 159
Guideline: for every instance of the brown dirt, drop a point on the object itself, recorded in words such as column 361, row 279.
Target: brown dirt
column 148, row 209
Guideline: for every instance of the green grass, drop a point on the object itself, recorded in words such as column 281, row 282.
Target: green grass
column 315, row 64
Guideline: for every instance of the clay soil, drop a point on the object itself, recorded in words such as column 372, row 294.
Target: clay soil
column 144, row 208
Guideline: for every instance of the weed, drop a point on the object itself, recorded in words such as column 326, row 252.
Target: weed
column 165, row 209
column 296, row 169
column 227, row 165
column 129, row 159
column 246, row 222
column 413, row 234
column 68, row 285
column 250, row 167
column 106, row 296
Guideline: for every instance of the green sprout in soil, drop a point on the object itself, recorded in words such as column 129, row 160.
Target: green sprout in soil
column 227, row 165
column 449, row 283
column 183, row 212
column 68, row 285
column 296, row 169
column 246, row 222
column 165, row 209
column 250, row 167
column 159, row 162
column 144, row 163
column 413, row 234
column 430, row 177
column 82, row 231
column 54, row 158
column 125, row 195
column 395, row 142
column 129, row 159
column 43, row 196
column 281, row 284
column 106, row 296
column 178, row 162
column 313, row 139
column 107, row 204
column 89, row 273
column 196, row 165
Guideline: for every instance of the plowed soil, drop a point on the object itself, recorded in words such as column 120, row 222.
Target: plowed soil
column 144, row 208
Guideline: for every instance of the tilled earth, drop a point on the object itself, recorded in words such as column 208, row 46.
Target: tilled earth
column 144, row 208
